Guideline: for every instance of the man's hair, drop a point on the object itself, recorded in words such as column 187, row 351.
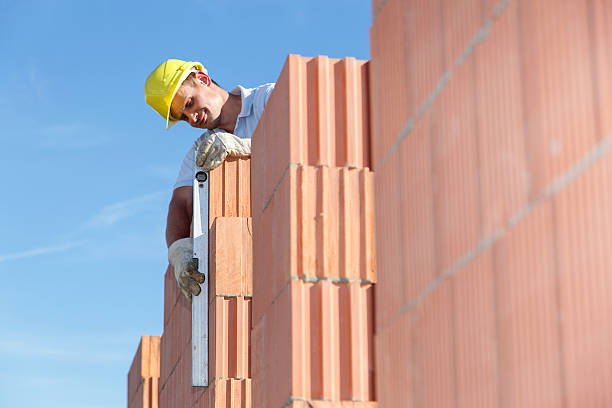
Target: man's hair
column 192, row 81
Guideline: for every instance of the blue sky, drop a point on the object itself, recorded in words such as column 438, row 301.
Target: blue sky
column 87, row 169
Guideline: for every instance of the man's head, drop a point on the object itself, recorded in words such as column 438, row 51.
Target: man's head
column 198, row 101
column 179, row 89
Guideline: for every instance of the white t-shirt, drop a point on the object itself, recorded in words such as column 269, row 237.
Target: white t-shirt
column 253, row 102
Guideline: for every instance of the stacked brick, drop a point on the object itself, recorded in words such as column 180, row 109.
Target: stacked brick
column 491, row 136
column 313, row 239
column 143, row 377
column 230, row 295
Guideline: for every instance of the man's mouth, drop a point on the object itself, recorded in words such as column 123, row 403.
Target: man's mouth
column 203, row 117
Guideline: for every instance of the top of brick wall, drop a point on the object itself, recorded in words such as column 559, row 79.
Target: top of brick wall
column 320, row 106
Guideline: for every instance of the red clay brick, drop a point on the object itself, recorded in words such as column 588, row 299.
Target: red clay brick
column 332, row 331
column 143, row 377
column 476, row 365
column 330, row 339
column 415, row 219
column 320, row 107
column 462, row 21
column 359, row 347
column 260, row 365
column 321, row 343
column 229, row 190
column 390, row 105
column 504, row 175
column 201, row 395
column 231, row 257
column 155, row 392
column 232, row 393
column 528, row 323
column 282, row 348
column 600, row 23
column 584, row 225
column 434, row 380
column 308, row 231
column 231, row 337
column 171, row 294
column 263, row 263
column 134, row 374
column 394, row 362
column 376, row 4
column 204, row 399
column 271, row 138
column 425, row 44
column 137, row 400
column 455, row 167
column 282, row 227
column 329, row 105
column 176, row 390
column 273, row 248
column 334, row 223
column 326, row 223
column 218, row 339
column 557, row 85
column 271, row 354
column 176, row 334
column 352, row 111
column 389, row 239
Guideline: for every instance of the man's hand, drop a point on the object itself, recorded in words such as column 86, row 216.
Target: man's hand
column 217, row 145
column 180, row 255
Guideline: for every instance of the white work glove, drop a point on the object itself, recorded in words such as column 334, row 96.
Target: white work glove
column 217, row 145
column 180, row 255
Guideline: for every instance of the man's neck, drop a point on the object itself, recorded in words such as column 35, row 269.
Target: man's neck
column 230, row 111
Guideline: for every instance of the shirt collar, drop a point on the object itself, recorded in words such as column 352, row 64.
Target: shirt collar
column 246, row 95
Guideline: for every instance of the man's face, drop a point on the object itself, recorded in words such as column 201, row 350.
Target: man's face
column 197, row 104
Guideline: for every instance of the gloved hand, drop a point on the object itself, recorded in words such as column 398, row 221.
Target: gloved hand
column 180, row 255
column 217, row 145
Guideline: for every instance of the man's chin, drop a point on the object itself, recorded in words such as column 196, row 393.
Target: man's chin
column 207, row 125
column 214, row 124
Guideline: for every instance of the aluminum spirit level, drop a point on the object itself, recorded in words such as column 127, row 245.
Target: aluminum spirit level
column 199, row 305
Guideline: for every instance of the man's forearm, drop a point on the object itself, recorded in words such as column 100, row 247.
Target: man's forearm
column 180, row 213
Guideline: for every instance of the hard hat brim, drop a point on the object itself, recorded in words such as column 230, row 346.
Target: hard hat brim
column 197, row 67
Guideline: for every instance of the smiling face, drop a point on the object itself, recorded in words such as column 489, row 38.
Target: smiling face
column 198, row 102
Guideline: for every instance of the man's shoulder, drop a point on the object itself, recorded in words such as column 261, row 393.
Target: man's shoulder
column 261, row 91
column 261, row 95
column 267, row 87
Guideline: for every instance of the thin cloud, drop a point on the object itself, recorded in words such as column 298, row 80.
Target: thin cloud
column 70, row 136
column 163, row 172
column 113, row 213
column 32, row 350
column 37, row 81
column 40, row 251
column 107, row 217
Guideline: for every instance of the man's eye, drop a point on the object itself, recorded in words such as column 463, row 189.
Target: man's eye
column 189, row 103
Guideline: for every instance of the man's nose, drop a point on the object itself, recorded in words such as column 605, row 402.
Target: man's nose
column 193, row 117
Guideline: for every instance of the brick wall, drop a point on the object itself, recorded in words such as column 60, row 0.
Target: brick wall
column 143, row 377
column 491, row 131
column 313, row 246
column 230, row 280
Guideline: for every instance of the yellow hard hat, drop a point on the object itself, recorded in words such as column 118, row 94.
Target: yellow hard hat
column 161, row 85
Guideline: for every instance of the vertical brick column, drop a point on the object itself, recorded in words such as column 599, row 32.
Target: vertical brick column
column 491, row 136
column 313, row 239
column 230, row 261
column 143, row 377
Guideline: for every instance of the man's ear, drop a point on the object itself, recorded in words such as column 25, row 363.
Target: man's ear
column 202, row 77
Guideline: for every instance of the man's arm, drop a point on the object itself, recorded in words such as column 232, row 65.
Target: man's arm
column 180, row 212
column 180, row 245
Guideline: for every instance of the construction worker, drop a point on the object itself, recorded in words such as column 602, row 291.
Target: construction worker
column 180, row 90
